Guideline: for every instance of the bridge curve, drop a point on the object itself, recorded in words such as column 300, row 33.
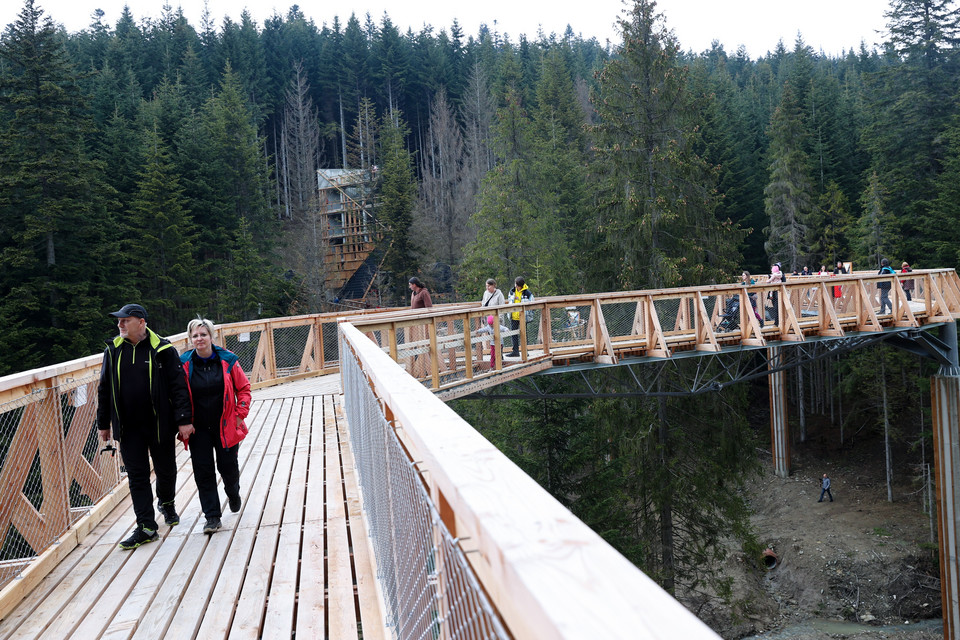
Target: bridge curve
column 447, row 348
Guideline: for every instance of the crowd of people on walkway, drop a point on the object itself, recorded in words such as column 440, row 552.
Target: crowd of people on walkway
column 491, row 297
column 769, row 311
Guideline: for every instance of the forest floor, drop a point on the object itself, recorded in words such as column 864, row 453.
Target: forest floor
column 859, row 567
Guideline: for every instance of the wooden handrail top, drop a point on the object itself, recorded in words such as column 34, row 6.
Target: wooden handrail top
column 473, row 309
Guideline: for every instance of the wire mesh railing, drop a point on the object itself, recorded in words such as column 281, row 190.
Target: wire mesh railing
column 52, row 471
column 465, row 544
column 429, row 588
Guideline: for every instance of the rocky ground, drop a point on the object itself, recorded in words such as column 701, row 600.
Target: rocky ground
column 859, row 567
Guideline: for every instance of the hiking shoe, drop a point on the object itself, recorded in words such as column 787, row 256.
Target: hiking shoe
column 169, row 513
column 139, row 536
column 212, row 525
column 234, row 502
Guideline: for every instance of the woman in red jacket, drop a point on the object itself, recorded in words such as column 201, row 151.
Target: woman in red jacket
column 220, row 395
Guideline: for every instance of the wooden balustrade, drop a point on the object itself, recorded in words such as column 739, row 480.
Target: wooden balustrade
column 444, row 348
column 547, row 574
column 49, row 414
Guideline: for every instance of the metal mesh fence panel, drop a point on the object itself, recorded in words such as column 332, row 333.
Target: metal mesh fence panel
column 532, row 319
column 289, row 344
column 245, row 346
column 570, row 324
column 451, row 347
column 620, row 318
column 429, row 588
column 331, row 344
column 45, row 439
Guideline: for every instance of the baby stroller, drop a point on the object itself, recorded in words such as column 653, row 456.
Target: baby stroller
column 730, row 319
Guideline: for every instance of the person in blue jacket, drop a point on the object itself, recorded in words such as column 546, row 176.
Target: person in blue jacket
column 825, row 488
column 884, row 287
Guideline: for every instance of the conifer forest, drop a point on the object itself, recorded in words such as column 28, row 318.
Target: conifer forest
column 175, row 165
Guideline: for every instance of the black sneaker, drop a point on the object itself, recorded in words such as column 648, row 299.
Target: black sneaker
column 139, row 536
column 235, row 502
column 169, row 513
column 212, row 525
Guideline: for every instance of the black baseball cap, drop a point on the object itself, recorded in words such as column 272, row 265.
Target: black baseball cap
column 130, row 310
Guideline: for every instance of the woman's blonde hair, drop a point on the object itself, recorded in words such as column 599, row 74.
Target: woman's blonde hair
column 196, row 322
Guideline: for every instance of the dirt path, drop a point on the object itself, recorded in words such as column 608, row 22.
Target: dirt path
column 859, row 559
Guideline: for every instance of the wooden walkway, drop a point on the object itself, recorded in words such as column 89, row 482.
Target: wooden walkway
column 294, row 562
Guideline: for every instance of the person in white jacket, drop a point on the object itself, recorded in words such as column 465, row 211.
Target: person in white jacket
column 492, row 297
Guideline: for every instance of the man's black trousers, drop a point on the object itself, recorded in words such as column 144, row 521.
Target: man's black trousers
column 137, row 447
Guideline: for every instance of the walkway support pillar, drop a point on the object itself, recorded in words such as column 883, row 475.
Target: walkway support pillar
column 779, row 425
column 945, row 404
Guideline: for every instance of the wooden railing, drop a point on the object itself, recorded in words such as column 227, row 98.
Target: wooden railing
column 56, row 484
column 447, row 349
column 545, row 572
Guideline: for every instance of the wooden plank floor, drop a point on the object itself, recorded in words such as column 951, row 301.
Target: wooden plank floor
column 293, row 562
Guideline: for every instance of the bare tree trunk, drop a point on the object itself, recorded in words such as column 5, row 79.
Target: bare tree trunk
column 666, row 506
column 886, row 426
column 343, row 129
column 300, row 156
column 800, row 404
column 443, row 212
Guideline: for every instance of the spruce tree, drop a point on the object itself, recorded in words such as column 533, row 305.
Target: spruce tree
column 57, row 244
column 519, row 230
column 876, row 230
column 397, row 194
column 789, row 196
column 657, row 195
column 161, row 239
column 909, row 103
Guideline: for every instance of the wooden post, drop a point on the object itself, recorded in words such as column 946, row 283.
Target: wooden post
column 434, row 355
column 779, row 426
column 945, row 409
column 945, row 394
column 546, row 330
column 56, row 500
column 523, row 334
column 318, row 349
column 467, row 348
column 271, row 353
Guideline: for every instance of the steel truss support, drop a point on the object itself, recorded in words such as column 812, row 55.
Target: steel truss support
column 686, row 373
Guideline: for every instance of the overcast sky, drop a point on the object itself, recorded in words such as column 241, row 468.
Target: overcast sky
column 827, row 25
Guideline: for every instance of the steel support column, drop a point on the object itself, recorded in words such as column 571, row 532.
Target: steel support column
column 779, row 426
column 945, row 404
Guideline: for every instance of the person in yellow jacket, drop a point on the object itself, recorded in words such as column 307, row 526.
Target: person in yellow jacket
column 520, row 293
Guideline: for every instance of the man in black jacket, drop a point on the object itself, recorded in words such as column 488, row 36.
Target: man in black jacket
column 144, row 397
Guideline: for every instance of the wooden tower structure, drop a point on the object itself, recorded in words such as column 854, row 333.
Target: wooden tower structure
column 347, row 208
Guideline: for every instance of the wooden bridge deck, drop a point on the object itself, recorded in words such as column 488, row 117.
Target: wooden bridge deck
column 293, row 562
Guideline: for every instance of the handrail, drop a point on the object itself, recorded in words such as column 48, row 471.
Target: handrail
column 446, row 348
column 547, row 573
